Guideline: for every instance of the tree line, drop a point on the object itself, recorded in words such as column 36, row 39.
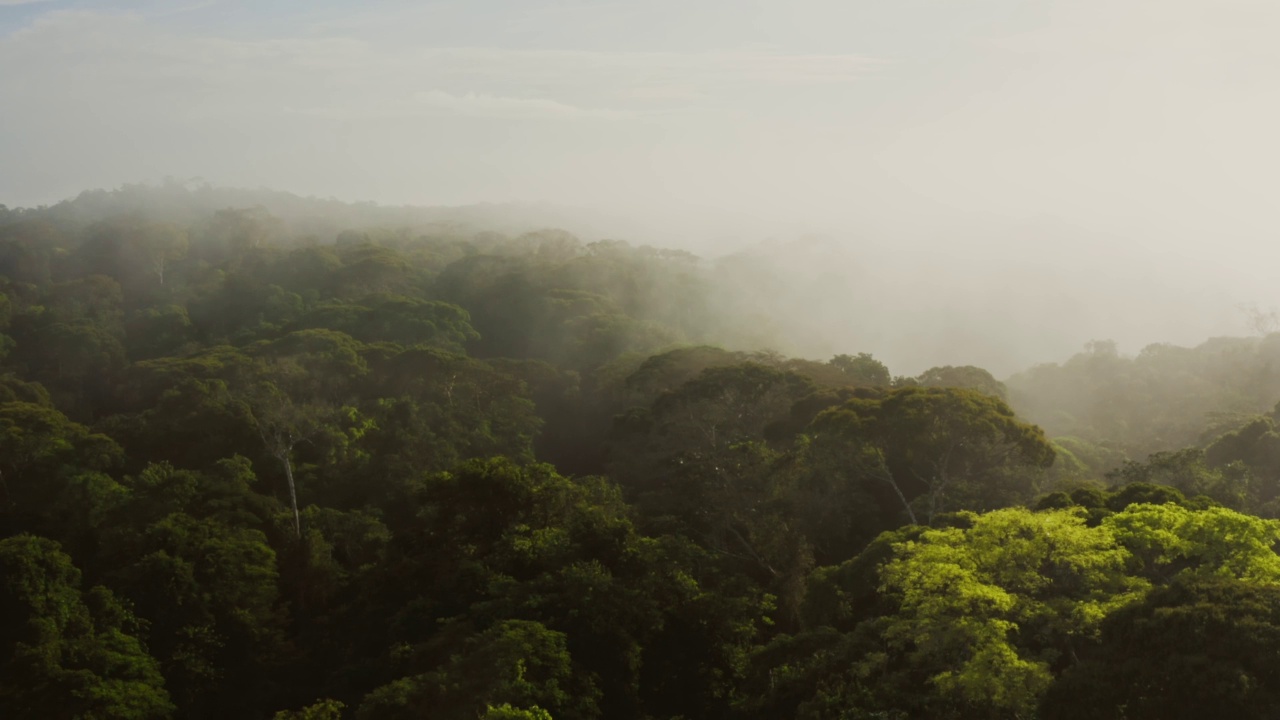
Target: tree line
column 418, row 469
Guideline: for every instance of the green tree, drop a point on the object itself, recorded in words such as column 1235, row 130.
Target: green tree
column 53, row 477
column 1187, row 471
column 321, row 710
column 514, row 662
column 977, row 617
column 967, row 376
column 506, row 712
column 65, row 653
column 298, row 389
column 992, row 609
column 862, row 369
column 209, row 591
column 394, row 319
column 431, row 410
column 158, row 331
column 283, row 423
column 695, row 464
column 937, row 449
column 493, row 541
column 159, row 247
column 1201, row 647
column 1168, row 540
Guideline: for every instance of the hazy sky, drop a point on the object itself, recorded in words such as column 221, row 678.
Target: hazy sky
column 1141, row 130
column 1108, row 110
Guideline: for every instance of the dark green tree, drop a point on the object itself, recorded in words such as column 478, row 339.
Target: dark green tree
column 937, row 449
column 1201, row 647
column 67, row 653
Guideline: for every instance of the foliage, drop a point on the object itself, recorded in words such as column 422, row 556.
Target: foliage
column 65, row 652
column 266, row 456
column 1201, row 647
column 938, row 449
column 322, row 710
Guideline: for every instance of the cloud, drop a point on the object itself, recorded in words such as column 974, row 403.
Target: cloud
column 139, row 60
column 20, row 2
column 623, row 73
column 483, row 105
column 470, row 104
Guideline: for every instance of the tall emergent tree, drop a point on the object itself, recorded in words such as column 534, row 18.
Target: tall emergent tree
column 936, row 448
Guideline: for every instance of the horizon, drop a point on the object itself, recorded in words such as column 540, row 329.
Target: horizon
column 1042, row 174
column 804, row 272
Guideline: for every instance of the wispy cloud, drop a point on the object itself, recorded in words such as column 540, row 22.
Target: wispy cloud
column 623, row 73
column 470, row 104
column 484, row 105
column 131, row 55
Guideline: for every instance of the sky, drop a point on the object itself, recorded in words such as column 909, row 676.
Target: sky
column 1115, row 156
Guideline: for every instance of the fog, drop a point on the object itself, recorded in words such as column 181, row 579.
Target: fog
column 991, row 182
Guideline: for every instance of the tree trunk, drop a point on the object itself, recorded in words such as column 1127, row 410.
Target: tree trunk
column 888, row 478
column 881, row 472
column 293, row 494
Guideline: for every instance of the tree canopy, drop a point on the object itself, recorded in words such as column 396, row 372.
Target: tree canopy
column 324, row 462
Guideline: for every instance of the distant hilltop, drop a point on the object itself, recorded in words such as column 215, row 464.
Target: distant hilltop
column 186, row 202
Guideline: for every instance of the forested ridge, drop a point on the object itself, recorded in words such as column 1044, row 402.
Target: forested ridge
column 270, row 457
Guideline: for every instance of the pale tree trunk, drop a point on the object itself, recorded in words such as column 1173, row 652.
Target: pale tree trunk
column 282, row 425
column 887, row 477
column 293, row 493
column 880, row 471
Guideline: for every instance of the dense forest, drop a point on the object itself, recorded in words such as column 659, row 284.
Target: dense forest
column 270, row 457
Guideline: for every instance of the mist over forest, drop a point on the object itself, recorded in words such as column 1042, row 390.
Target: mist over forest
column 1004, row 298
column 620, row 360
column 282, row 457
